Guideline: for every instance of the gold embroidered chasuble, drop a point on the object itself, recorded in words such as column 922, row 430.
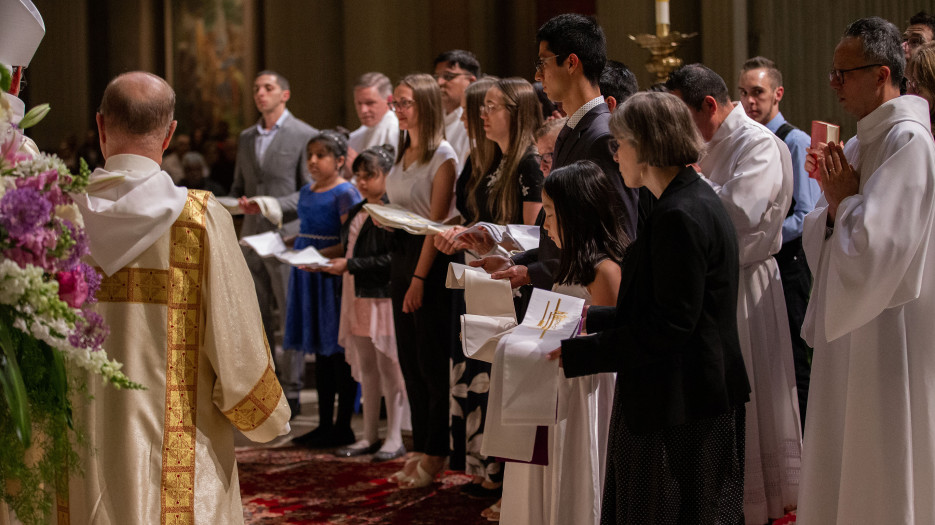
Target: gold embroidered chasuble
column 184, row 321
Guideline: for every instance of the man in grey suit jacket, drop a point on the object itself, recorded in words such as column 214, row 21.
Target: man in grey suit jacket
column 271, row 161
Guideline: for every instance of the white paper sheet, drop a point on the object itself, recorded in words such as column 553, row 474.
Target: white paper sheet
column 270, row 244
column 399, row 218
column 266, row 244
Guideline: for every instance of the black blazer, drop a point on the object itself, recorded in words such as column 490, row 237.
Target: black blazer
column 672, row 338
column 370, row 263
column 590, row 140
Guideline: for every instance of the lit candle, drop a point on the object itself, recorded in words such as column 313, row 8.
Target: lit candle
column 662, row 12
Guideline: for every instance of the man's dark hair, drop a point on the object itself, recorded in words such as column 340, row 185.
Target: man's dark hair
column 281, row 80
column 578, row 34
column 618, row 81
column 697, row 81
column 461, row 58
column 923, row 18
column 882, row 44
column 758, row 62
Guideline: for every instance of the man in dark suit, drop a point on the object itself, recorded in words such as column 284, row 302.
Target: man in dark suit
column 572, row 55
column 271, row 161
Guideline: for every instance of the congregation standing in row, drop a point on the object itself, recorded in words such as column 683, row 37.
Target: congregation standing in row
column 869, row 452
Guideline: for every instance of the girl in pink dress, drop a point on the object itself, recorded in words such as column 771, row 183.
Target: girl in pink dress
column 366, row 329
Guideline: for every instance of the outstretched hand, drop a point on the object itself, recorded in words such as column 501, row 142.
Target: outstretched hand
column 500, row 267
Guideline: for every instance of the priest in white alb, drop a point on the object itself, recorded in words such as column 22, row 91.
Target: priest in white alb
column 184, row 320
column 750, row 168
column 870, row 440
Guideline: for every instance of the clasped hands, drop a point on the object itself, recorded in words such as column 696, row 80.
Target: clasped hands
column 837, row 179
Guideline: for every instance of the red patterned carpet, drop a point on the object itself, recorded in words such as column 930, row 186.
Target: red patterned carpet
column 297, row 486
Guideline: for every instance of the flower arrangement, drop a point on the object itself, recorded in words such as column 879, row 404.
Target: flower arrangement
column 45, row 291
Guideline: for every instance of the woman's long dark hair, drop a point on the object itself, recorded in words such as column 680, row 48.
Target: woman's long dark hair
column 588, row 211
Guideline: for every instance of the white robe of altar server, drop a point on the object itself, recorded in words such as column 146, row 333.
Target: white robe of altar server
column 385, row 132
column 184, row 321
column 751, row 170
column 569, row 489
column 870, row 440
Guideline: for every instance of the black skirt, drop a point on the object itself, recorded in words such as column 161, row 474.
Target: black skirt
column 688, row 474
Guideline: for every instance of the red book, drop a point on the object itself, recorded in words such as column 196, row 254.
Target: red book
column 823, row 133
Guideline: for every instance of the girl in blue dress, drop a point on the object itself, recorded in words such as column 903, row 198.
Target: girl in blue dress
column 314, row 300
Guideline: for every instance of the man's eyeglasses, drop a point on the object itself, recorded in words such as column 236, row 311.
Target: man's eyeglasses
column 540, row 62
column 547, row 157
column 401, row 103
column 448, row 76
column 914, row 41
column 838, row 74
column 614, row 146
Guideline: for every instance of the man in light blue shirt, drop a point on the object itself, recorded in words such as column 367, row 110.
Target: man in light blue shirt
column 760, row 88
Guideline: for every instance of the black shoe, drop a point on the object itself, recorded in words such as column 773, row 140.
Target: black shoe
column 478, row 491
column 321, row 437
column 341, row 437
column 350, row 452
column 381, row 456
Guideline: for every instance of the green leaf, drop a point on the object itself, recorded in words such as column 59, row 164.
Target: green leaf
column 6, row 78
column 14, row 390
column 34, row 115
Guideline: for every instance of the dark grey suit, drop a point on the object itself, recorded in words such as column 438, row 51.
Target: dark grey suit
column 280, row 173
column 590, row 140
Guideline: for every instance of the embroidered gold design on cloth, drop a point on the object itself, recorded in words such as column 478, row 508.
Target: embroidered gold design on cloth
column 135, row 285
column 256, row 406
column 184, row 278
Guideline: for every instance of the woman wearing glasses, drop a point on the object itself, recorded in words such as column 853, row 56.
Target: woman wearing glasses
column 422, row 181
column 509, row 190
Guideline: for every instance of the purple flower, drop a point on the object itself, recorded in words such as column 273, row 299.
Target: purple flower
column 34, row 249
column 93, row 279
column 38, row 182
column 23, row 211
column 90, row 331
column 79, row 244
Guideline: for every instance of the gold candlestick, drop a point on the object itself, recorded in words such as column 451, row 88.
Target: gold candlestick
column 662, row 48
column 662, row 45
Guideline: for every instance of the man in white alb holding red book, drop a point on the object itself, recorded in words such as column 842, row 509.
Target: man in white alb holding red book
column 869, row 453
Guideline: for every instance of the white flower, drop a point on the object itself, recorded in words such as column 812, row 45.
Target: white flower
column 71, row 213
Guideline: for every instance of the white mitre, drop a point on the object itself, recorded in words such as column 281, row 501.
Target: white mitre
column 21, row 30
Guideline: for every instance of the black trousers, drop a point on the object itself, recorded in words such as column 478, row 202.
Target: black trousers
column 423, row 342
column 797, row 287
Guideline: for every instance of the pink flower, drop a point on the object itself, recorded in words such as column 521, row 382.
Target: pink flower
column 72, row 287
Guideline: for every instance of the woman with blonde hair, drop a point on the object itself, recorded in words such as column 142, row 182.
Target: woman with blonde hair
column 920, row 76
column 509, row 192
column 422, row 181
